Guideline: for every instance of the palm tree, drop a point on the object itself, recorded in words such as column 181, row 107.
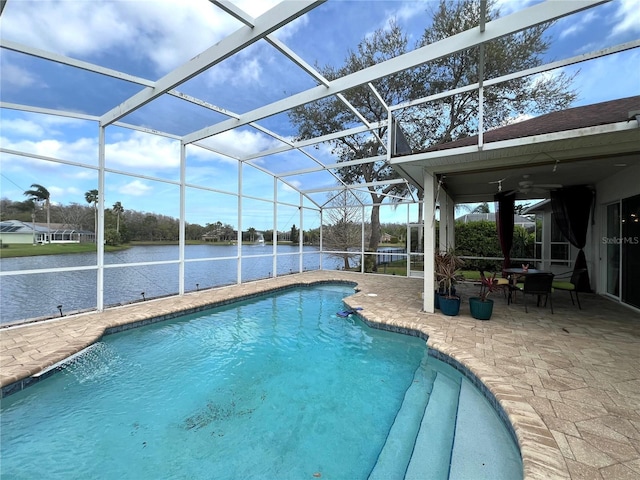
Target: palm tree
column 118, row 209
column 252, row 234
column 40, row 194
column 482, row 208
column 91, row 196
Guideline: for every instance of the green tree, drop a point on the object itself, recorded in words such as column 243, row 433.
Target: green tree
column 150, row 225
column 118, row 209
column 521, row 207
column 252, row 234
column 437, row 121
column 523, row 243
column 482, row 208
column 453, row 117
column 112, row 237
column 478, row 239
column 39, row 194
column 330, row 114
column 91, row 196
column 294, row 235
column 342, row 232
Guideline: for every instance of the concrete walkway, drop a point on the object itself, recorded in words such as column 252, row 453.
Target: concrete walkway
column 569, row 383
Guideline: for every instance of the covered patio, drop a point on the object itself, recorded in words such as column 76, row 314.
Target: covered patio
column 568, row 383
column 583, row 161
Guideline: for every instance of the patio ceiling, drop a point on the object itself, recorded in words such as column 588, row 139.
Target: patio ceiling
column 468, row 171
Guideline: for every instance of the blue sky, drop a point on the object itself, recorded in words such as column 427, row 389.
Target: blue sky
column 148, row 38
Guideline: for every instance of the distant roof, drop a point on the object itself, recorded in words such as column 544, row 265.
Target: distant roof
column 603, row 113
column 491, row 217
column 538, row 207
column 16, row 226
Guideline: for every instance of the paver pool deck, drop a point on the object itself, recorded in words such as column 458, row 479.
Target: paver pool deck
column 569, row 382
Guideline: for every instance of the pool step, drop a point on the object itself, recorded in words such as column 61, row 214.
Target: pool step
column 483, row 449
column 434, row 443
column 396, row 452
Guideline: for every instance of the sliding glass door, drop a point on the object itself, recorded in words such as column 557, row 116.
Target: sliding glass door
column 630, row 250
column 623, row 250
column 613, row 249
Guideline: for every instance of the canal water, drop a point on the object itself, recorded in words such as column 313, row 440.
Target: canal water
column 206, row 266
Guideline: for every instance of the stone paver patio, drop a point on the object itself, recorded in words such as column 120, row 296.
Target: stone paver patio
column 569, row 383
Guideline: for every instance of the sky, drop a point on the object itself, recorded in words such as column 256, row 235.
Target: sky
column 150, row 38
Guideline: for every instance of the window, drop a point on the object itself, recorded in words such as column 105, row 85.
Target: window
column 559, row 251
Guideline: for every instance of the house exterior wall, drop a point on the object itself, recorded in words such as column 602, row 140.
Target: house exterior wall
column 16, row 238
column 623, row 184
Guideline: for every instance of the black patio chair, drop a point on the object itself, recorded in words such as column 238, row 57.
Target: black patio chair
column 538, row 284
column 562, row 282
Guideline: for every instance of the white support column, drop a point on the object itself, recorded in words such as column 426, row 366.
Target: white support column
column 408, row 242
column 181, row 233
column 321, row 237
column 99, row 235
column 429, row 242
column 301, row 236
column 274, row 243
column 363, row 257
column 275, row 227
column 446, row 235
column 239, row 249
column 451, row 223
column 442, row 234
column 481, row 90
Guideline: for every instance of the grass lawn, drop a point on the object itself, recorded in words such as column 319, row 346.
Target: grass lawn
column 470, row 274
column 29, row 250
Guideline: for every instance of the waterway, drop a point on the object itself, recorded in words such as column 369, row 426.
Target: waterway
column 125, row 280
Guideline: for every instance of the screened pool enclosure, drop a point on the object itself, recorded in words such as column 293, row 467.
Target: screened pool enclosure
column 205, row 125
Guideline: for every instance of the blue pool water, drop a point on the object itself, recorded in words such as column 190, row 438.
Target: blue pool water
column 277, row 387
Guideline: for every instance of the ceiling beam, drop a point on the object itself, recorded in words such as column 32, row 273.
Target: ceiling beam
column 540, row 13
column 355, row 186
column 583, row 57
column 278, row 16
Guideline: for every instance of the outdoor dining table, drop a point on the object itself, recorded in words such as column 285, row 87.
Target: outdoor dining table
column 518, row 271
column 514, row 273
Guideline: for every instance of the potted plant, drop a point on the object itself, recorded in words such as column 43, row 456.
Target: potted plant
column 446, row 265
column 481, row 307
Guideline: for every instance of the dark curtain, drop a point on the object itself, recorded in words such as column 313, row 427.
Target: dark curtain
column 571, row 211
column 505, row 203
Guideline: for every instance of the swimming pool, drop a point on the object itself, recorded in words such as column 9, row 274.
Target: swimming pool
column 275, row 387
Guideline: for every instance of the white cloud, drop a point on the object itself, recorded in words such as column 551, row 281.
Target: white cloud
column 83, row 150
column 22, row 128
column 409, row 11
column 241, row 142
column 19, row 77
column 517, row 119
column 294, row 186
column 627, row 17
column 135, row 188
column 250, row 71
column 597, row 84
column 576, row 24
column 67, row 27
column 146, row 152
column 168, row 33
column 30, row 126
column 508, row 7
column 244, row 69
